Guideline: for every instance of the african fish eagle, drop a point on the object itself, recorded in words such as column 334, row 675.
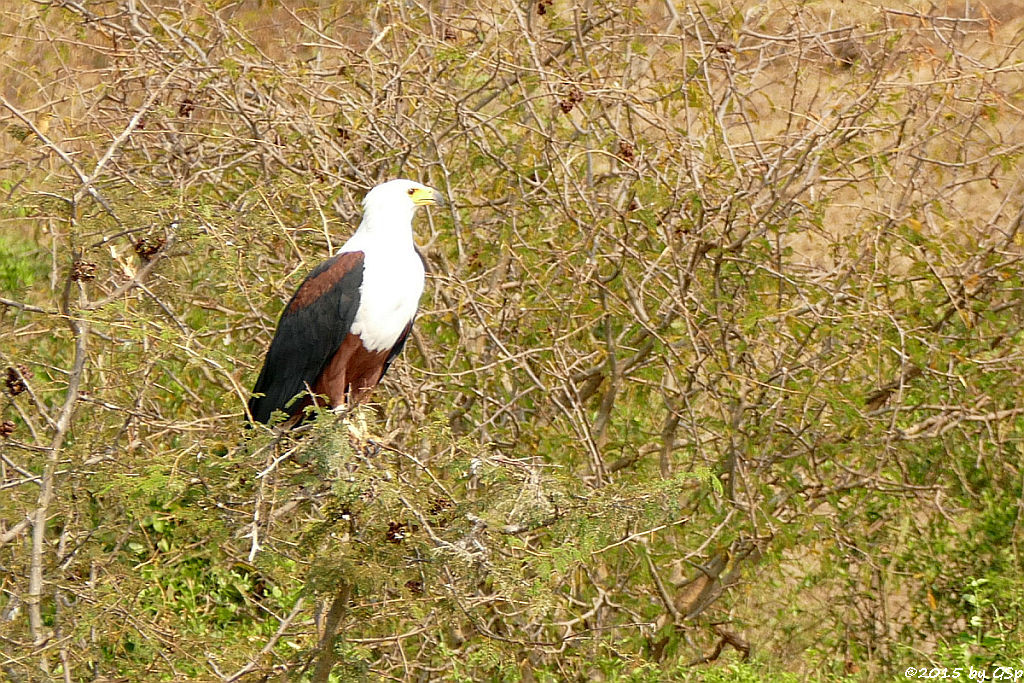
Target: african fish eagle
column 351, row 316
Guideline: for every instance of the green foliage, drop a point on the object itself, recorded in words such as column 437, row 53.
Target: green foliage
column 716, row 376
column 21, row 265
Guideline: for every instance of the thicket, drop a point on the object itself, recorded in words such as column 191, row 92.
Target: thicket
column 718, row 373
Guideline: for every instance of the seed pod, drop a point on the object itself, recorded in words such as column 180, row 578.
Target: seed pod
column 626, row 151
column 82, row 271
column 439, row 505
column 147, row 247
column 573, row 97
column 397, row 532
column 186, row 108
column 16, row 377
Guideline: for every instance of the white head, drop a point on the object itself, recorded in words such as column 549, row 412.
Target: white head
column 389, row 206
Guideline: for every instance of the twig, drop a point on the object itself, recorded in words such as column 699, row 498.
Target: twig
column 666, row 599
column 80, row 331
column 326, row 658
column 139, row 277
column 15, row 531
column 252, row 665
column 25, row 307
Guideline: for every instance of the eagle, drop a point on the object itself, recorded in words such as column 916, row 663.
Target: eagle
column 350, row 317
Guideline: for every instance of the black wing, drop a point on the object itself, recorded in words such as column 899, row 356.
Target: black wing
column 397, row 348
column 311, row 329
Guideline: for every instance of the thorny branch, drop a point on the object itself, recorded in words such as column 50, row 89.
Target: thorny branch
column 734, row 273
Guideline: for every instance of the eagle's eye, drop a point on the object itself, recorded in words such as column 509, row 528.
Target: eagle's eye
column 411, row 191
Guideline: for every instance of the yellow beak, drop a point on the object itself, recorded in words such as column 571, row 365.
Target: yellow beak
column 422, row 196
